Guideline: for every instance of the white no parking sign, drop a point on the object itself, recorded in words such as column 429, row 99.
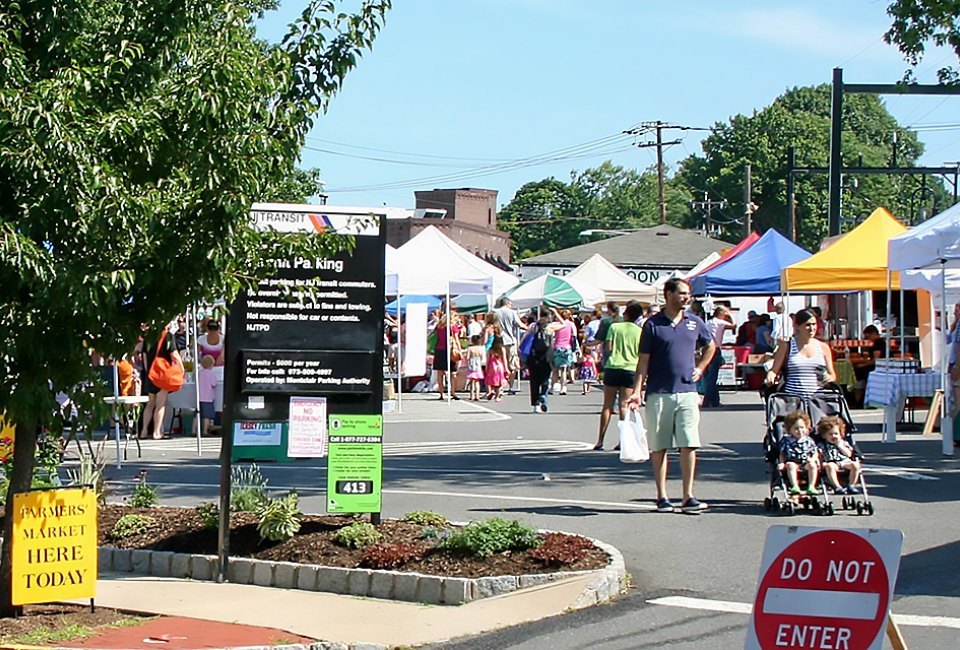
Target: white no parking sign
column 824, row 588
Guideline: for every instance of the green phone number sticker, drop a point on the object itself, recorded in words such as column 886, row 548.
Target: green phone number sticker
column 354, row 463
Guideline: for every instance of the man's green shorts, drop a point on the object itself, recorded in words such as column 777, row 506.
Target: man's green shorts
column 673, row 420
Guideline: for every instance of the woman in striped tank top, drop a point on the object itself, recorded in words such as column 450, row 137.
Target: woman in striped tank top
column 807, row 360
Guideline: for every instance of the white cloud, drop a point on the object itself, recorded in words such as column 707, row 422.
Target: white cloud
column 836, row 38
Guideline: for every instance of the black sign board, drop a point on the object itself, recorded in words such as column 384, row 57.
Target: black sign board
column 315, row 328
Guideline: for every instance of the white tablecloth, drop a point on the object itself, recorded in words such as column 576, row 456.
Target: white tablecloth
column 892, row 390
column 889, row 387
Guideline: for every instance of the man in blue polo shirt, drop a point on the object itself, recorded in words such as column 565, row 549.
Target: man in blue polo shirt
column 667, row 347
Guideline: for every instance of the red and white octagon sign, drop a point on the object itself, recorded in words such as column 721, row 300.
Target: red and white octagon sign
column 824, row 588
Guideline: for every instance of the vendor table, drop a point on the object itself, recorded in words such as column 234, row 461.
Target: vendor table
column 126, row 411
column 891, row 389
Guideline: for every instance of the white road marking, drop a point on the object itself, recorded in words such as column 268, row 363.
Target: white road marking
column 908, row 473
column 732, row 607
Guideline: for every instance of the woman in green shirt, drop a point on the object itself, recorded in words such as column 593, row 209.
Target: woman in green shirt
column 621, row 353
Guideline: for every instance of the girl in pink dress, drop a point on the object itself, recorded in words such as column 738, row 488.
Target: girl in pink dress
column 475, row 354
column 496, row 370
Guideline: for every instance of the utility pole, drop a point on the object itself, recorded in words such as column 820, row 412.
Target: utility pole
column 659, row 127
column 662, row 200
column 707, row 206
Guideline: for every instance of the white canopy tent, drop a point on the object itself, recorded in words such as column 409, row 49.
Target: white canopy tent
column 933, row 245
column 433, row 264
column 614, row 283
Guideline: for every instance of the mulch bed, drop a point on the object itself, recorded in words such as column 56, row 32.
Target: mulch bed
column 180, row 530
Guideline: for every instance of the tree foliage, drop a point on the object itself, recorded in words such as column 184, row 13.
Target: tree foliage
column 917, row 23
column 134, row 136
column 549, row 215
column 801, row 118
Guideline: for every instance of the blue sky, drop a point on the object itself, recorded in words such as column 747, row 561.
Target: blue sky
column 455, row 89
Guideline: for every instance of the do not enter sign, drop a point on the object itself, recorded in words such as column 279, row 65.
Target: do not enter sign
column 826, row 589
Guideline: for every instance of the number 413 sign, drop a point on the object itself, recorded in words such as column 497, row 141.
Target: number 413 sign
column 354, row 463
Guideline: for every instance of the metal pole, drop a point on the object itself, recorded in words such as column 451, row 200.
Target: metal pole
column 946, row 421
column 197, row 418
column 747, row 204
column 399, row 355
column 116, row 410
column 836, row 161
column 791, row 189
column 449, row 374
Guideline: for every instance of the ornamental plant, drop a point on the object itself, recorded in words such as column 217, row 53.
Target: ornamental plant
column 558, row 549
column 357, row 535
column 130, row 525
column 389, row 556
column 280, row 518
column 144, row 495
column 492, row 536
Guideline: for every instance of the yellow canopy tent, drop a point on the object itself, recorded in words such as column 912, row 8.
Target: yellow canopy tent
column 855, row 262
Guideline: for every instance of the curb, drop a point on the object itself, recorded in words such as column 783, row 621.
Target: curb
column 387, row 585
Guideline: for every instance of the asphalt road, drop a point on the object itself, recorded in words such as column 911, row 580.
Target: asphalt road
column 468, row 462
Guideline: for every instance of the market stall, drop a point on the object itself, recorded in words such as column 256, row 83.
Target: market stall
column 614, row 283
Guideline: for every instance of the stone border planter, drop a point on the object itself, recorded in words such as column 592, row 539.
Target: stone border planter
column 389, row 585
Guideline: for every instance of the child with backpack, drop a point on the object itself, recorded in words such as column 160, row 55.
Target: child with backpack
column 535, row 350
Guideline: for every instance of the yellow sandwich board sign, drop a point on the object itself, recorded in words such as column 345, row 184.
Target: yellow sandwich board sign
column 54, row 545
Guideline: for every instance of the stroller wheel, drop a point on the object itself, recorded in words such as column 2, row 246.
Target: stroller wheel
column 790, row 509
column 775, row 503
column 869, row 508
column 859, row 508
column 767, row 503
column 828, row 510
column 816, row 507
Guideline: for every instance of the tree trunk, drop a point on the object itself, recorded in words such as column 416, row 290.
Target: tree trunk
column 24, row 456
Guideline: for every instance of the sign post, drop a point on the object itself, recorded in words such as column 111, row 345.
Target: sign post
column 824, row 588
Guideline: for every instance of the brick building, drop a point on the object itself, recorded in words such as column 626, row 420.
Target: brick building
column 468, row 216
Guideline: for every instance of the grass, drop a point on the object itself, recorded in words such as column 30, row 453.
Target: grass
column 71, row 632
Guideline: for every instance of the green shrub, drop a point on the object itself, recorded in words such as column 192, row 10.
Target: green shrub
column 209, row 514
column 248, row 489
column 357, row 535
column 491, row 536
column 280, row 518
column 130, row 525
column 426, row 518
column 389, row 556
column 90, row 473
column 144, row 495
column 433, row 532
column 559, row 549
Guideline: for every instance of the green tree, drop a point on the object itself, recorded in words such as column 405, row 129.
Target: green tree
column 801, row 118
column 917, row 24
column 625, row 198
column 298, row 187
column 134, row 137
column 543, row 216
column 549, row 215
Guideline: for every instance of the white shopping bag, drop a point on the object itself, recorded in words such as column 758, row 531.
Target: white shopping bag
column 633, row 439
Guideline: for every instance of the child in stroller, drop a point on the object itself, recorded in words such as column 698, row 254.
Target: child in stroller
column 838, row 456
column 799, row 450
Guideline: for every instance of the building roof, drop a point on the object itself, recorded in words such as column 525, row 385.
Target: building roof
column 663, row 245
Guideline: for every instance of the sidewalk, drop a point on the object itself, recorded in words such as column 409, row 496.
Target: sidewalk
column 362, row 622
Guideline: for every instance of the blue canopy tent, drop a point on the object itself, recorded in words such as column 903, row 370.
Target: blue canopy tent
column 432, row 302
column 755, row 271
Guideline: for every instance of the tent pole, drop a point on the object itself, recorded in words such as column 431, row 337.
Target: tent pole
column 197, row 418
column 116, row 410
column 449, row 374
column 399, row 355
column 946, row 421
column 903, row 349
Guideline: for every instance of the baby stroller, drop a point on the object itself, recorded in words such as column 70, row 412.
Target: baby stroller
column 825, row 402
column 830, row 401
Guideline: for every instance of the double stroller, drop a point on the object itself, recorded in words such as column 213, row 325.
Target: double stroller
column 829, row 401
